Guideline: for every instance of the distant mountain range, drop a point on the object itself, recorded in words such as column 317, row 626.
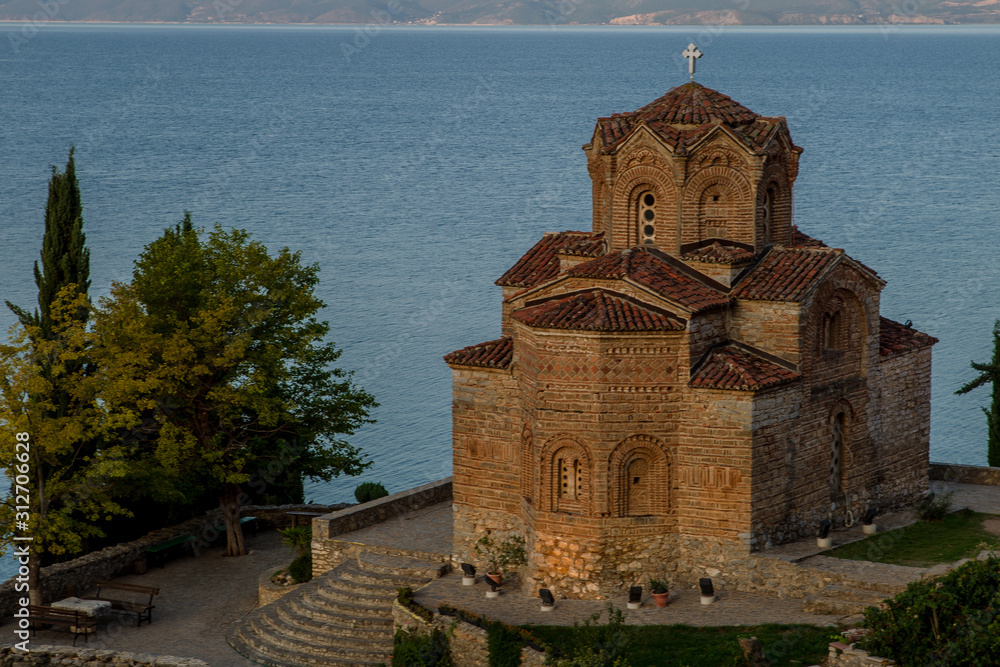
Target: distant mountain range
column 511, row 12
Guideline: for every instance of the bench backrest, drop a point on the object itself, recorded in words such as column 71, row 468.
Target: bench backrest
column 43, row 612
column 131, row 588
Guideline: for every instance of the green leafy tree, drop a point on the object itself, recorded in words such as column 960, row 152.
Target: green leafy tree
column 217, row 344
column 65, row 257
column 989, row 373
column 60, row 486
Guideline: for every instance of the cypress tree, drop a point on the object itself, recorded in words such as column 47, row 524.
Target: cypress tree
column 65, row 257
column 990, row 373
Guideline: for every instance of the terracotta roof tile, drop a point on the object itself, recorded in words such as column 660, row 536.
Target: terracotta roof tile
column 735, row 367
column 718, row 253
column 541, row 263
column 800, row 240
column 491, row 354
column 785, row 274
column 642, row 266
column 598, row 310
column 673, row 115
column 895, row 338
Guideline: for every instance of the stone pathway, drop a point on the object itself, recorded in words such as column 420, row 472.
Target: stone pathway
column 976, row 497
column 731, row 608
column 428, row 529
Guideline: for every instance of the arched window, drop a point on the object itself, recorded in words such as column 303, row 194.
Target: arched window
column 837, row 456
column 712, row 211
column 767, row 213
column 834, row 337
column 569, row 477
column 637, row 480
column 646, row 217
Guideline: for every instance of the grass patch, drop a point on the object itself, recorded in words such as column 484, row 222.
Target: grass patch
column 687, row 646
column 957, row 535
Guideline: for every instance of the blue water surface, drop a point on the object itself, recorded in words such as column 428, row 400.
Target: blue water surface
column 415, row 165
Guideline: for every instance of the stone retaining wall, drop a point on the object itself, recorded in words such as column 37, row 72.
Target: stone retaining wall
column 467, row 641
column 327, row 553
column 78, row 575
column 67, row 656
column 951, row 472
column 843, row 655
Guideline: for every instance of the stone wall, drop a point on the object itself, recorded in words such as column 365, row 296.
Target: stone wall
column 959, row 474
column 67, row 656
column 78, row 575
column 467, row 642
column 843, row 655
column 327, row 552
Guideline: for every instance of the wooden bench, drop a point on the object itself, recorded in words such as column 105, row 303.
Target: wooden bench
column 252, row 522
column 160, row 552
column 122, row 602
column 307, row 515
column 74, row 621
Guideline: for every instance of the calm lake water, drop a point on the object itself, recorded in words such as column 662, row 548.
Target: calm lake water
column 415, row 165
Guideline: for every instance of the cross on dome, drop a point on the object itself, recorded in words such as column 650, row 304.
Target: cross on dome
column 692, row 53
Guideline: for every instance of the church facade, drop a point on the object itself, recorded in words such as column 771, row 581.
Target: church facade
column 693, row 379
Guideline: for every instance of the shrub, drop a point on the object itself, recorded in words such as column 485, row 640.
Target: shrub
column 934, row 507
column 298, row 539
column 416, row 649
column 601, row 645
column 502, row 554
column 405, row 597
column 504, row 645
column 301, row 568
column 948, row 621
column 368, row 491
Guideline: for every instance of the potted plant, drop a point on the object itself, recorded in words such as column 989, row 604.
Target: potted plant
column 659, row 588
column 500, row 555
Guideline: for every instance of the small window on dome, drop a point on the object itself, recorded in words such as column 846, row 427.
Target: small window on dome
column 647, row 218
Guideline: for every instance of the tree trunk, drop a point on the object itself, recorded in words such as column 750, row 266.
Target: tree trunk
column 229, row 501
column 35, row 577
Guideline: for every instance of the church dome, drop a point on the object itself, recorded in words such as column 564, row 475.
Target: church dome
column 694, row 104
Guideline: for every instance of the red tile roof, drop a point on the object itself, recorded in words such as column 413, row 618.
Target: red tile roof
column 598, row 310
column 895, row 338
column 673, row 115
column 643, row 266
column 541, row 263
column 491, row 354
column 739, row 367
column 718, row 253
column 785, row 274
column 800, row 240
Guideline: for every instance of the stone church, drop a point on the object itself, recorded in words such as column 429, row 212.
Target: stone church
column 692, row 380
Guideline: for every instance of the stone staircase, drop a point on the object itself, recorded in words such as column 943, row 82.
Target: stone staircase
column 342, row 617
column 846, row 587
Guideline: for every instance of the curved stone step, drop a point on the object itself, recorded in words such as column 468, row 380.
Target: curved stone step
column 401, row 565
column 274, row 626
column 352, row 573
column 335, row 623
column 342, row 617
column 307, row 656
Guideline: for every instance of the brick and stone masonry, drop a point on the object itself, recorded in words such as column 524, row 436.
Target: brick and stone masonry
column 692, row 380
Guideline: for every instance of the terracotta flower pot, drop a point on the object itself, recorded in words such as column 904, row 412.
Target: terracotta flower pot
column 661, row 599
column 495, row 576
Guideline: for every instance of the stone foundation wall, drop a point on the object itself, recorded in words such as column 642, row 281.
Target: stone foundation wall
column 959, row 474
column 327, row 553
column 67, row 656
column 467, row 642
